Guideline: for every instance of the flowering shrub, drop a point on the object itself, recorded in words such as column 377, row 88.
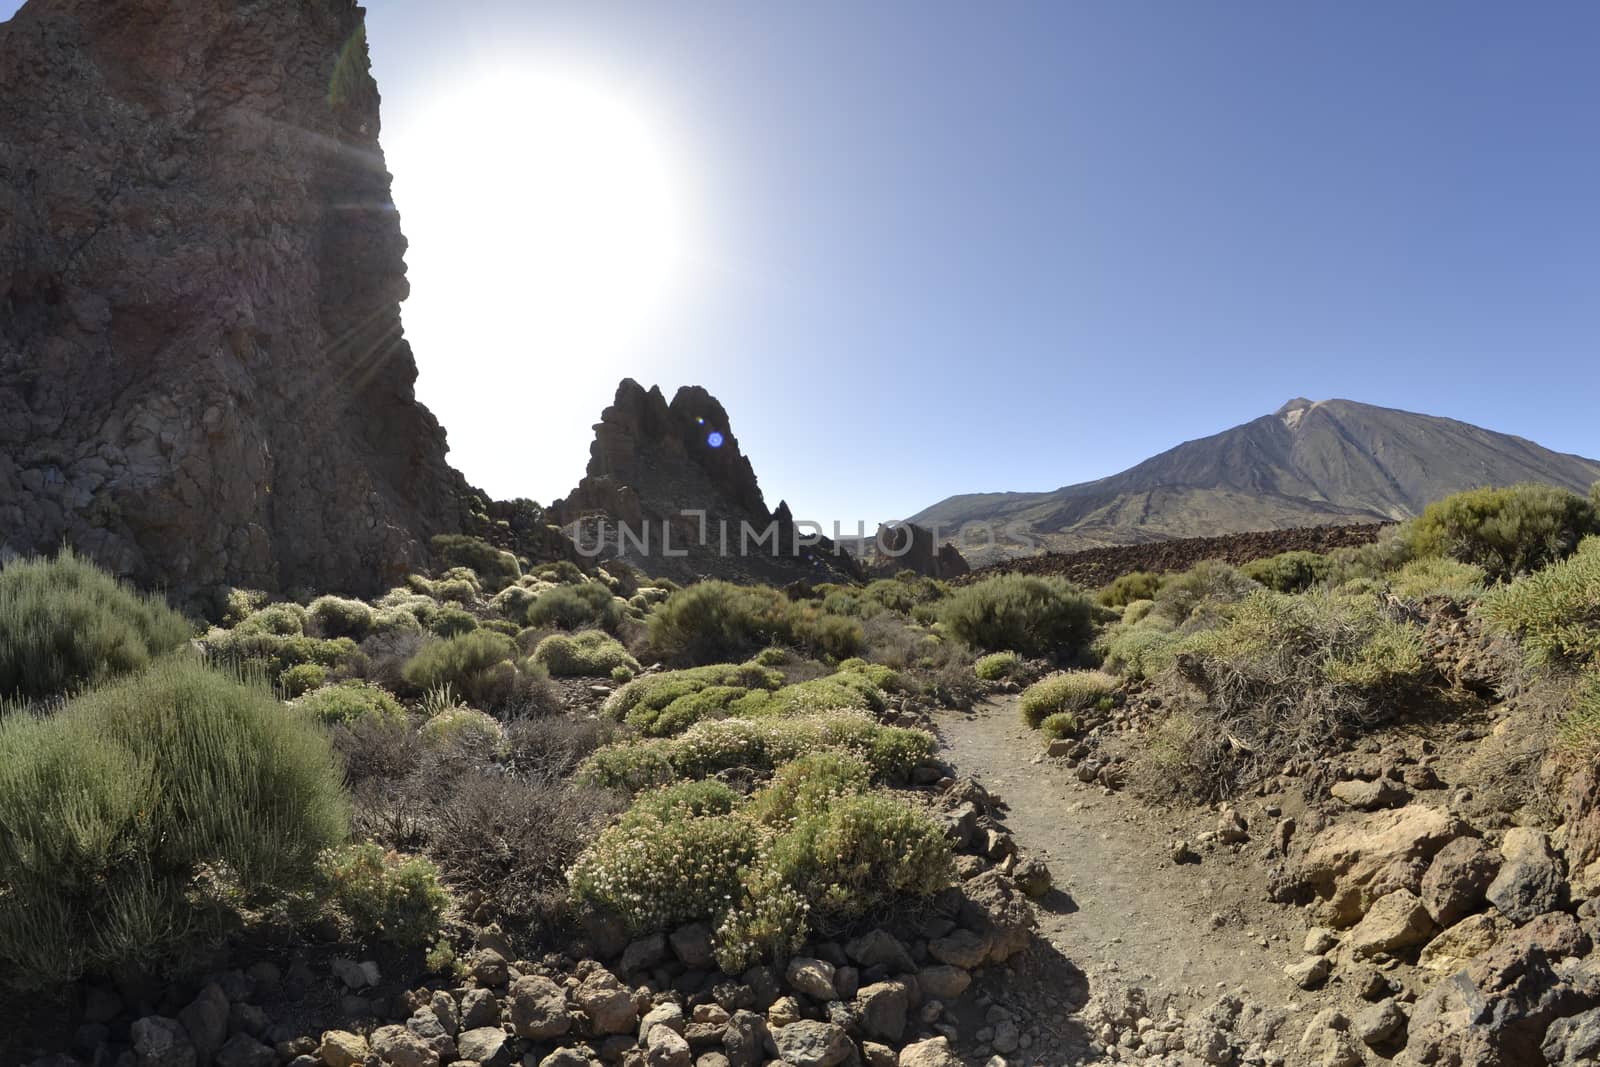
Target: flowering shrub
column 337, row 617
column 349, row 702
column 661, row 705
column 460, row 725
column 588, row 653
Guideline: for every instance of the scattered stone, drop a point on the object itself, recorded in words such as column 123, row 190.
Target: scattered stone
column 1493, row 1013
column 643, row 954
column 1472, row 936
column 1378, row 1024
column 1310, row 972
column 350, row 973
column 692, row 945
column 960, row 948
column 489, row 968
column 1032, row 877
column 1320, row 940
column 943, row 982
column 1574, row 1041
column 1371, row 796
column 879, row 948
column 1182, row 853
column 1351, row 864
column 242, row 1050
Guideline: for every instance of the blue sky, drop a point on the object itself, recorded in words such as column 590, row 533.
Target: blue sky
column 947, row 247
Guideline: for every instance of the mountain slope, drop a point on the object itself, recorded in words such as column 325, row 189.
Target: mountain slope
column 1333, row 461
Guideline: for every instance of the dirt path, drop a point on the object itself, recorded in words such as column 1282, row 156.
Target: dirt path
column 1126, row 913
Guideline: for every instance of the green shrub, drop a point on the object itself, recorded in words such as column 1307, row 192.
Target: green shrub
column 347, row 703
column 714, row 621
column 1435, row 577
column 1075, row 691
column 1289, row 572
column 860, row 855
column 589, row 653
column 1507, row 531
column 681, row 800
column 576, row 607
column 760, row 745
column 809, row 785
column 997, row 665
column 302, row 678
column 240, row 648
column 1059, row 725
column 1283, row 675
column 1123, row 590
column 494, row 567
column 513, row 602
column 279, row 620
column 1579, row 735
column 451, row 621
column 1140, row 649
column 622, row 674
column 858, row 689
column 385, row 896
column 64, row 623
column 240, row 604
column 337, row 617
column 660, row 705
column 459, row 725
column 141, row 814
column 483, row 667
column 1554, row 612
column 1198, row 592
column 1029, row 615
column 562, row 571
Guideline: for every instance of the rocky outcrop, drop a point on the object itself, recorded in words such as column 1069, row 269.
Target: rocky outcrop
column 908, row 547
column 203, row 379
column 668, row 489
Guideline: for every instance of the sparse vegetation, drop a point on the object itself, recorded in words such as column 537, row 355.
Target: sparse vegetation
column 66, row 623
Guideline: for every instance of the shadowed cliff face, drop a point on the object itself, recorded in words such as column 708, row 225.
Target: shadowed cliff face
column 651, row 461
column 203, row 379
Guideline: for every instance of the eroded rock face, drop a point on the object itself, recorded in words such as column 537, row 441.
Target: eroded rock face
column 203, row 379
column 651, row 462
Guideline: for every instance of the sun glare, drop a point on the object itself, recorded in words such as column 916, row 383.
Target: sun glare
column 550, row 197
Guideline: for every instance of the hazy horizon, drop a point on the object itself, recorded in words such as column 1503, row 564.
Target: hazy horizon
column 921, row 250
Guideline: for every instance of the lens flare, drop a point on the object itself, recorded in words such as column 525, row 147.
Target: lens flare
column 714, row 439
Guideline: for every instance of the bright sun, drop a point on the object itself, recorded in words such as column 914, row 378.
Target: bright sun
column 549, row 200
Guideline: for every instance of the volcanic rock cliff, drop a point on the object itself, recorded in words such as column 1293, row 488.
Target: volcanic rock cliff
column 203, row 379
column 668, row 489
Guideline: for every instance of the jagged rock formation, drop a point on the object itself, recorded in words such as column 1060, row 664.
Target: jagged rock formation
column 908, row 547
column 1307, row 464
column 203, row 379
column 655, row 467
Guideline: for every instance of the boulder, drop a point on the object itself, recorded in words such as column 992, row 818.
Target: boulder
column 487, row 1046
column 1310, row 972
column 934, row 1052
column 206, row 1022
column 607, row 1002
column 162, row 1042
column 538, row 1009
column 341, row 1048
column 1472, row 936
column 1396, row 921
column 1574, row 1041
column 808, row 1043
column 994, row 908
column 943, row 982
column 1457, row 880
column 879, row 948
column 692, row 945
column 1532, row 880
column 881, row 1008
column 242, row 1050
column 812, row 977
column 1492, row 1013
column 665, row 1047
column 1351, row 864
column 1379, row 1024
column 397, row 1046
